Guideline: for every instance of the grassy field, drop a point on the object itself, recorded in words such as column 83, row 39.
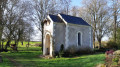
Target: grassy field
column 29, row 57
column 24, row 43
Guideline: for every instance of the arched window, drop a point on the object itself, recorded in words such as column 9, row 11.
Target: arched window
column 48, row 23
column 79, row 39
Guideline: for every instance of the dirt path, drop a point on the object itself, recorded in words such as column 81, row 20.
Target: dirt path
column 15, row 63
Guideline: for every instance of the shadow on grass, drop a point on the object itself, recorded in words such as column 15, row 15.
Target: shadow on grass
column 80, row 61
column 30, row 58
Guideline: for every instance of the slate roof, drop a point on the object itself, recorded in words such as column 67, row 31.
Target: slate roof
column 69, row 19
column 55, row 18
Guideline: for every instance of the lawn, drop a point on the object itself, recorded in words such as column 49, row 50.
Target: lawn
column 30, row 58
column 24, row 43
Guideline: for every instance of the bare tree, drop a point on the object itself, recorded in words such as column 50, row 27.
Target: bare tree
column 98, row 18
column 84, row 13
column 103, row 24
column 14, row 11
column 92, row 9
column 41, row 8
column 44, row 7
column 74, row 11
column 65, row 6
column 2, row 23
column 115, row 12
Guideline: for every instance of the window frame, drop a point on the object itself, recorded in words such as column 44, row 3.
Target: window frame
column 80, row 38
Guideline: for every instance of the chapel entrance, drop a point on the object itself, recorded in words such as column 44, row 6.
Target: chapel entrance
column 47, row 45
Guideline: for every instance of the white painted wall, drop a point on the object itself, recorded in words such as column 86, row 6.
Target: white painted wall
column 59, row 35
column 67, row 34
column 48, row 29
column 73, row 36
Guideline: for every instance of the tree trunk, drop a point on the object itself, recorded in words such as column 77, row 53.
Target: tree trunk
column 93, row 39
column 8, row 44
column 115, row 28
column 2, row 46
column 22, row 42
column 16, row 43
column 1, row 30
column 27, row 45
column 94, row 30
column 0, row 38
column 99, row 41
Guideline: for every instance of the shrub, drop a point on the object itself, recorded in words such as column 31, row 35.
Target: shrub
column 56, row 54
column 116, row 56
column 71, row 50
column 112, row 57
column 109, row 57
column 109, row 52
column 102, row 49
column 112, row 44
column 116, row 59
column 61, row 52
column 86, row 50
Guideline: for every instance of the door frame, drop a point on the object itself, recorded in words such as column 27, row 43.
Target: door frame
column 50, row 46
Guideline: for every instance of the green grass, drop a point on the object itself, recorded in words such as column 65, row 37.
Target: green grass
column 24, row 43
column 30, row 58
column 6, row 62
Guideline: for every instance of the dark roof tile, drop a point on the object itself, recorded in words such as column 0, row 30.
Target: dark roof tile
column 74, row 20
column 69, row 19
column 55, row 18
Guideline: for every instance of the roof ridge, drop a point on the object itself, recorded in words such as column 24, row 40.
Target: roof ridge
column 74, row 19
column 55, row 18
column 71, row 15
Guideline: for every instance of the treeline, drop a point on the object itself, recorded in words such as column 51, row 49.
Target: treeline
column 19, row 17
column 14, row 24
column 103, row 16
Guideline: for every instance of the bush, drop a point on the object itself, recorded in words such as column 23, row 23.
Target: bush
column 61, row 52
column 109, row 45
column 109, row 57
column 86, row 50
column 116, row 59
column 102, row 49
column 112, row 44
column 116, row 56
column 73, row 51
column 112, row 58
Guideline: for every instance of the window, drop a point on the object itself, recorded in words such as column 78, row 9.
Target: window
column 48, row 23
column 79, row 38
